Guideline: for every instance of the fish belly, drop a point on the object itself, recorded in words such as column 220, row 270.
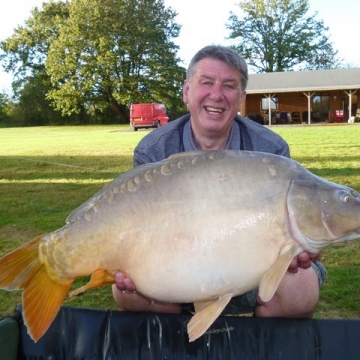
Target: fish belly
column 203, row 259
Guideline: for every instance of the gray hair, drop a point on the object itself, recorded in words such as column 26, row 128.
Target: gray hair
column 225, row 54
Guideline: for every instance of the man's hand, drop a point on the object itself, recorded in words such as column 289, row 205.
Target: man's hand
column 123, row 283
column 303, row 261
column 125, row 295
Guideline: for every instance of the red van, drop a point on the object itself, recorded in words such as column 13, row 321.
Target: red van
column 148, row 116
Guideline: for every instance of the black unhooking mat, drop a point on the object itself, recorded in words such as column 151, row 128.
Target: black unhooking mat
column 79, row 333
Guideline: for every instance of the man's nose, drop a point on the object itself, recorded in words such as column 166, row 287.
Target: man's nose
column 216, row 92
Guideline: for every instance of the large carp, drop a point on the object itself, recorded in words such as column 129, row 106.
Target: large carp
column 226, row 221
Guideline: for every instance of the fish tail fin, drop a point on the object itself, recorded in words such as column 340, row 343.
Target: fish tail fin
column 42, row 295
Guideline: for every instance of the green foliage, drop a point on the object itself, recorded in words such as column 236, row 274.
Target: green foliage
column 278, row 35
column 24, row 53
column 89, row 60
column 4, row 108
column 32, row 108
column 120, row 53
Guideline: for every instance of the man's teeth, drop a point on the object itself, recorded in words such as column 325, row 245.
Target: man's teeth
column 213, row 110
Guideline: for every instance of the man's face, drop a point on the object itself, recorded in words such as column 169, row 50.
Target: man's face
column 214, row 96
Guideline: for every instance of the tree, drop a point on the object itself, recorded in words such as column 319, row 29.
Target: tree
column 33, row 109
column 95, row 65
column 120, row 53
column 278, row 35
column 25, row 52
column 4, row 104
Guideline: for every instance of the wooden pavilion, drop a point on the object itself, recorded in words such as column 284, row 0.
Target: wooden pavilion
column 289, row 97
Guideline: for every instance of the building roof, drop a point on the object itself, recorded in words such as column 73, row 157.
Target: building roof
column 314, row 80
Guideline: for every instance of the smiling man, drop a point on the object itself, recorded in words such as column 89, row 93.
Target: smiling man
column 214, row 90
column 214, row 95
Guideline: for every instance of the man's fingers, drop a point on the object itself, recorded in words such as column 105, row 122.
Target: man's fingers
column 124, row 283
column 130, row 286
column 315, row 257
column 293, row 267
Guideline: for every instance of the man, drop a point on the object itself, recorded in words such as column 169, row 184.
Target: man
column 214, row 91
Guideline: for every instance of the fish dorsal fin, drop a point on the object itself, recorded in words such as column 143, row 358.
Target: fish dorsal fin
column 271, row 279
column 108, row 188
column 203, row 319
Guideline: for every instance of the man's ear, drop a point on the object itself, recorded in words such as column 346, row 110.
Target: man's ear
column 185, row 92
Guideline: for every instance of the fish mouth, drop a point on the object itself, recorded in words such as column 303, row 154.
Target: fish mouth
column 214, row 110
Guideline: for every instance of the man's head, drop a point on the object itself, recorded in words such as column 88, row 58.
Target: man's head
column 214, row 91
column 225, row 54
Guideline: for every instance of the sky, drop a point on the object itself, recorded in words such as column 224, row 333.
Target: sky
column 203, row 23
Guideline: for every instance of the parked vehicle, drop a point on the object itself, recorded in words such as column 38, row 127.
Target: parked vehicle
column 148, row 116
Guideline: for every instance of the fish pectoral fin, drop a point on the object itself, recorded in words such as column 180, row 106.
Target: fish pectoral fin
column 272, row 278
column 203, row 319
column 98, row 278
column 200, row 306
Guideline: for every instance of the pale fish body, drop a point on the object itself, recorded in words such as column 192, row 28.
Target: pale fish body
column 199, row 227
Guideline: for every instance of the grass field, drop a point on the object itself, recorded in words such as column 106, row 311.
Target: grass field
column 46, row 172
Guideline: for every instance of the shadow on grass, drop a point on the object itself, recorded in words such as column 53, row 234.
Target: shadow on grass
column 339, row 158
column 62, row 167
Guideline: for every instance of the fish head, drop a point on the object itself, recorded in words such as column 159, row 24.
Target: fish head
column 322, row 213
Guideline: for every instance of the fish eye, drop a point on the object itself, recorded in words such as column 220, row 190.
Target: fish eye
column 345, row 197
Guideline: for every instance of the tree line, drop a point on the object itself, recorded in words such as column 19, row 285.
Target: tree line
column 86, row 61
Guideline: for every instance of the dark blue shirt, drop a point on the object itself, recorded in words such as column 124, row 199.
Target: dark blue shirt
column 176, row 137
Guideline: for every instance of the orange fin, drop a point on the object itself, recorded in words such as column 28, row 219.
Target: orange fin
column 42, row 299
column 42, row 295
column 202, row 320
column 16, row 267
column 98, row 278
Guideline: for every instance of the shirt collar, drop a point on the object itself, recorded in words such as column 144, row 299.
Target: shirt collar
column 189, row 142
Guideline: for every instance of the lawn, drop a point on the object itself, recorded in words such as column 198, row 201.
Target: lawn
column 46, row 172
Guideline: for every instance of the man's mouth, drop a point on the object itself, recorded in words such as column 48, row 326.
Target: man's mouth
column 213, row 110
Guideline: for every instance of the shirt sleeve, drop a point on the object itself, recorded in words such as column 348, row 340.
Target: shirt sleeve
column 140, row 158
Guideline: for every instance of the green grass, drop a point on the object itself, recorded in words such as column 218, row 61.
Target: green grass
column 46, row 172
column 333, row 152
